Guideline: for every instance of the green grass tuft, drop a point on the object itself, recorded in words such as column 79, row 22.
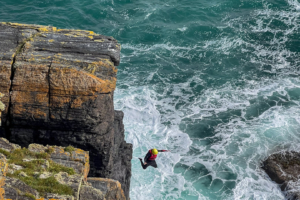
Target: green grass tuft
column 43, row 186
column 56, row 168
column 69, row 149
column 4, row 152
column 50, row 150
column 29, row 196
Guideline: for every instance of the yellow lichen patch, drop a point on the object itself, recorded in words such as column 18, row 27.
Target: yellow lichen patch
column 31, row 77
column 118, row 46
column 94, row 66
column 68, row 81
column 86, row 171
column 60, row 149
column 3, row 167
column 99, row 40
column 51, row 40
column 47, row 29
column 27, row 45
column 31, row 59
column 2, row 183
column 30, row 26
column 79, row 33
column 12, row 60
column 79, row 151
column 105, row 86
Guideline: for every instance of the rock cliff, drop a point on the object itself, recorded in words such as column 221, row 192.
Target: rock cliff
column 51, row 173
column 284, row 169
column 56, row 88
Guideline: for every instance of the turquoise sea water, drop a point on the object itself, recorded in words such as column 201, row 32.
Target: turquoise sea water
column 214, row 81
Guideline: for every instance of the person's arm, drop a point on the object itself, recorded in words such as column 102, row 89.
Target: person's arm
column 163, row 150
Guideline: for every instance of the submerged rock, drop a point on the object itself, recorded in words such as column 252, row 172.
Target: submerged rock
column 284, row 169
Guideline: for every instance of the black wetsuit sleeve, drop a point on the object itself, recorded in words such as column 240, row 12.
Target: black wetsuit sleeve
column 162, row 150
column 148, row 155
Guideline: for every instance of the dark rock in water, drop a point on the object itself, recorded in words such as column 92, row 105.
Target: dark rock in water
column 56, row 88
column 284, row 169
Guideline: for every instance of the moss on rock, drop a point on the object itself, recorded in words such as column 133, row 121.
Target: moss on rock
column 33, row 165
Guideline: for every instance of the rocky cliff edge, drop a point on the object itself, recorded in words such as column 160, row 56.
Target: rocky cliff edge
column 56, row 88
column 51, row 173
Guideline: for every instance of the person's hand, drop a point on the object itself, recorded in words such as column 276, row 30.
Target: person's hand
column 145, row 163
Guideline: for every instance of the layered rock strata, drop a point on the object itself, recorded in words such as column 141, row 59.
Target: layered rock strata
column 284, row 169
column 51, row 173
column 57, row 87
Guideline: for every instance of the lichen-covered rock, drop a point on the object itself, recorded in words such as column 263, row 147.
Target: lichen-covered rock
column 57, row 88
column 77, row 159
column 50, row 196
column 89, row 192
column 110, row 188
column 6, row 145
column 31, row 178
column 74, row 181
column 284, row 169
column 3, row 169
column 37, row 148
column 19, row 186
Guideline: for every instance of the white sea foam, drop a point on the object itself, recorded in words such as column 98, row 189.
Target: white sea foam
column 244, row 124
column 182, row 29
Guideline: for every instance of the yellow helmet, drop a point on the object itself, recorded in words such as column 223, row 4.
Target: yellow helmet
column 154, row 151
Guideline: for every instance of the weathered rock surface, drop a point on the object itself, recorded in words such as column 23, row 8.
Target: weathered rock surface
column 284, row 169
column 16, row 189
column 82, row 188
column 111, row 188
column 56, row 88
